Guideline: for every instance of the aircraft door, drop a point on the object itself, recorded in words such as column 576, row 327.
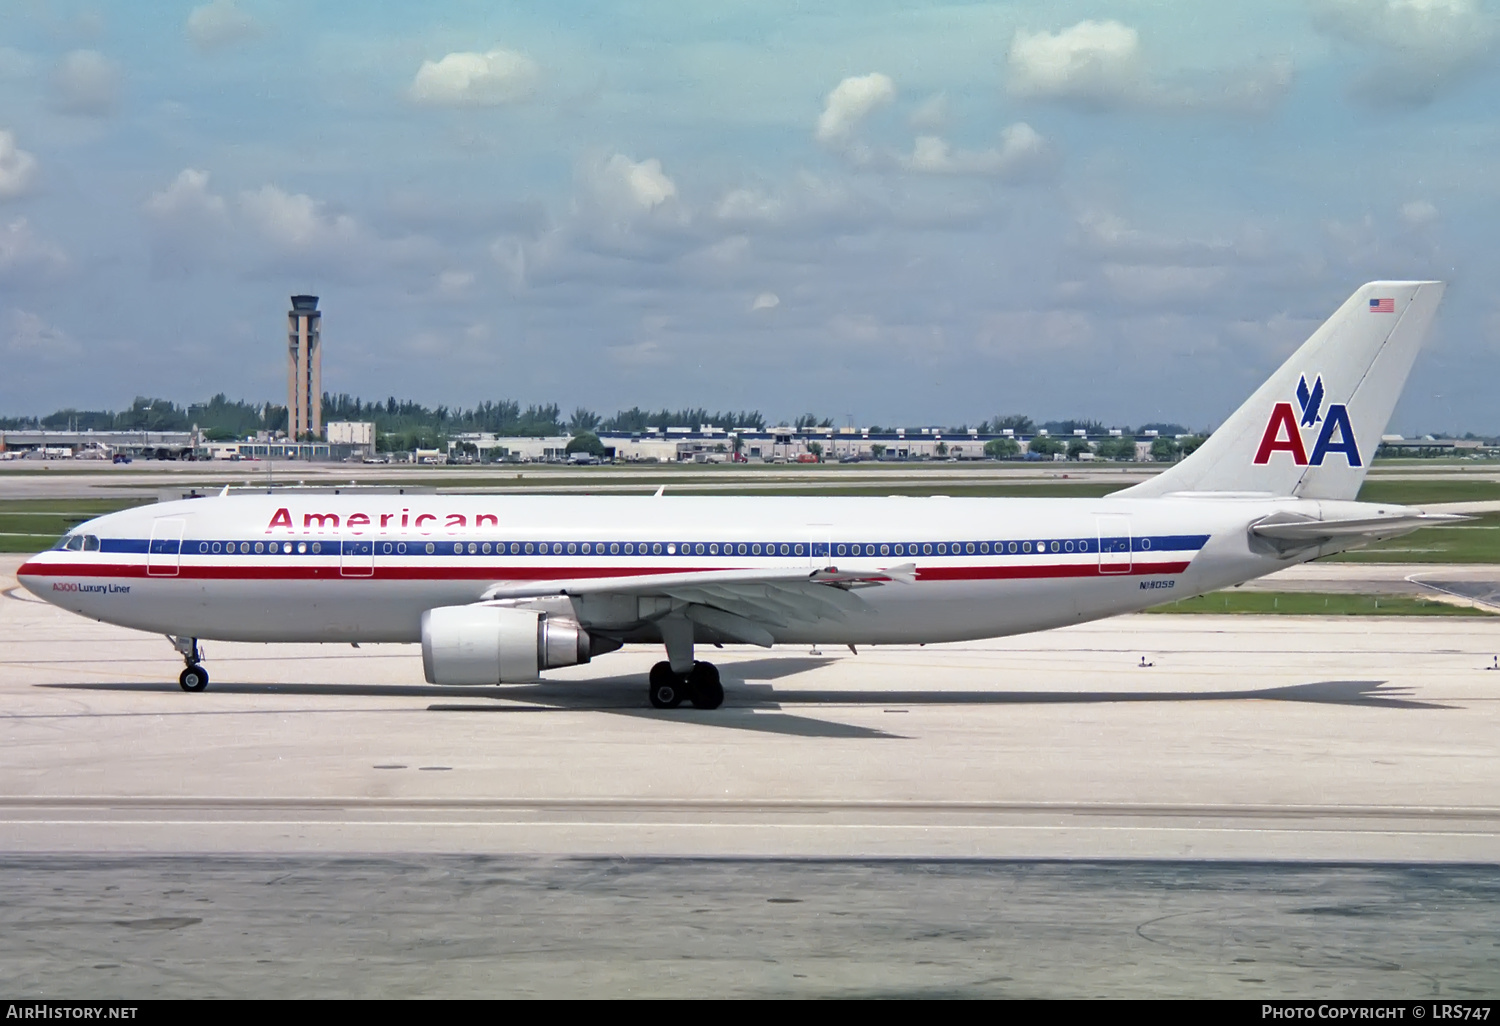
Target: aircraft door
column 1115, row 543
column 164, row 552
column 819, row 547
column 357, row 557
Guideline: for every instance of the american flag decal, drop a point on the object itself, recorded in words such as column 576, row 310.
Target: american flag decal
column 1382, row 306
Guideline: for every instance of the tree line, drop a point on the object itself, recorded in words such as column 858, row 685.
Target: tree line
column 405, row 424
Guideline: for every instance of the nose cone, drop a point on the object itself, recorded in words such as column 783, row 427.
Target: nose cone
column 31, row 576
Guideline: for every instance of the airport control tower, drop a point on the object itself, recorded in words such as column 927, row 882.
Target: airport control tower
column 304, row 368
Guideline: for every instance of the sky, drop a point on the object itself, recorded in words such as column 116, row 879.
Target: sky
column 1129, row 210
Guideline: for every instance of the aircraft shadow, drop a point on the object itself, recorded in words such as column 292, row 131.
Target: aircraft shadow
column 1324, row 692
column 625, row 695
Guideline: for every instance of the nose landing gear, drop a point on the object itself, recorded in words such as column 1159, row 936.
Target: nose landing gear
column 195, row 677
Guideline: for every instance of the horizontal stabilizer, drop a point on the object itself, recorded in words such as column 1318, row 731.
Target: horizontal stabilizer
column 1290, row 530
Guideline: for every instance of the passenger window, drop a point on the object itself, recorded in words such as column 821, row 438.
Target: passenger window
column 984, row 547
column 1026, row 546
column 885, row 550
column 942, row 549
column 1067, row 546
column 1012, row 547
column 656, row 549
column 317, row 547
column 841, row 549
column 713, row 550
column 900, row 551
column 741, row 549
column 302, row 547
column 485, row 548
column 755, row 549
column 630, row 549
column 431, row 548
column 969, row 548
column 614, row 548
column 699, row 548
column 785, row 550
column 260, row 547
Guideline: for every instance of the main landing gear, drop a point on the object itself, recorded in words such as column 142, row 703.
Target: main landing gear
column 195, row 677
column 700, row 685
column 683, row 678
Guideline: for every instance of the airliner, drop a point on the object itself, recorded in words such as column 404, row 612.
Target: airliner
column 500, row 588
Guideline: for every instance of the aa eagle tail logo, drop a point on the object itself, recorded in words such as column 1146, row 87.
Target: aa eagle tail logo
column 1284, row 429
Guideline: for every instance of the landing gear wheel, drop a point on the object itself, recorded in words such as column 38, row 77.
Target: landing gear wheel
column 667, row 688
column 703, row 682
column 194, row 678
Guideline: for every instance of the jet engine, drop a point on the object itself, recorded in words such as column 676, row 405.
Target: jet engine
column 497, row 644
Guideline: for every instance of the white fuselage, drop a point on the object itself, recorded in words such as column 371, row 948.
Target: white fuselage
column 322, row 567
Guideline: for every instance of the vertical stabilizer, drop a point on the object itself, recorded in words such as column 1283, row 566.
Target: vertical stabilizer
column 1312, row 429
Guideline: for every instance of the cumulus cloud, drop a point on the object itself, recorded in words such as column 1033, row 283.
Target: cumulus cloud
column 271, row 228
column 1100, row 64
column 852, row 100
column 294, row 221
column 475, row 79
column 219, row 23
column 23, row 254
column 17, row 167
column 29, row 336
column 453, row 283
column 1021, row 152
column 187, row 197
column 1418, row 213
column 627, row 188
column 1094, row 61
column 1420, row 47
column 16, row 64
column 765, row 301
column 87, row 83
column 931, row 115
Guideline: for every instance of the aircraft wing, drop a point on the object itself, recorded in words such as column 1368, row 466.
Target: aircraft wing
column 738, row 603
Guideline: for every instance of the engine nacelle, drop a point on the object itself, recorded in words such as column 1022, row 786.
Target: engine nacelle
column 497, row 644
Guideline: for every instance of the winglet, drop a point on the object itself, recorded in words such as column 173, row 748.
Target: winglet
column 224, row 492
column 660, row 491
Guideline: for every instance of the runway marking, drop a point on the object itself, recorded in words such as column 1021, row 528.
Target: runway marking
column 615, row 825
column 755, row 805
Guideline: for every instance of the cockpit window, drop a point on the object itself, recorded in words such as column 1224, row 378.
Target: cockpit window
column 78, row 543
column 73, row 543
column 91, row 543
